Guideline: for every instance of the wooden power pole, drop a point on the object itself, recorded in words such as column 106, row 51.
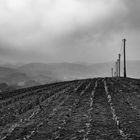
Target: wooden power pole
column 112, row 72
column 119, row 65
column 124, row 41
column 116, row 65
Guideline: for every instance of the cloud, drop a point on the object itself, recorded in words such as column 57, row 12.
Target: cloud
column 65, row 30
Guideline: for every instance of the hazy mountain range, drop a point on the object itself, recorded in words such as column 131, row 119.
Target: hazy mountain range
column 40, row 73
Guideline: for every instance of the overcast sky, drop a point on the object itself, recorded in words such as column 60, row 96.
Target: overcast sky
column 68, row 30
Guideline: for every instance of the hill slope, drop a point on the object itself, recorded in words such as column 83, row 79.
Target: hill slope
column 93, row 109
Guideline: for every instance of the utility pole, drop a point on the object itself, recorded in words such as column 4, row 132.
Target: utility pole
column 124, row 41
column 112, row 72
column 119, row 65
column 116, row 65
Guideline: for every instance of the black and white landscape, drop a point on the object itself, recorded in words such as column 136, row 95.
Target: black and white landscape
column 69, row 70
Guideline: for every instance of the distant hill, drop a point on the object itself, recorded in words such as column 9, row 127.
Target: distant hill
column 15, row 79
column 56, row 71
column 13, row 66
column 5, row 71
column 5, row 87
column 64, row 71
column 40, row 73
column 70, row 71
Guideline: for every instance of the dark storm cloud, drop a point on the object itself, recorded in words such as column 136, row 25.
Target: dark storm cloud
column 132, row 20
column 67, row 30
